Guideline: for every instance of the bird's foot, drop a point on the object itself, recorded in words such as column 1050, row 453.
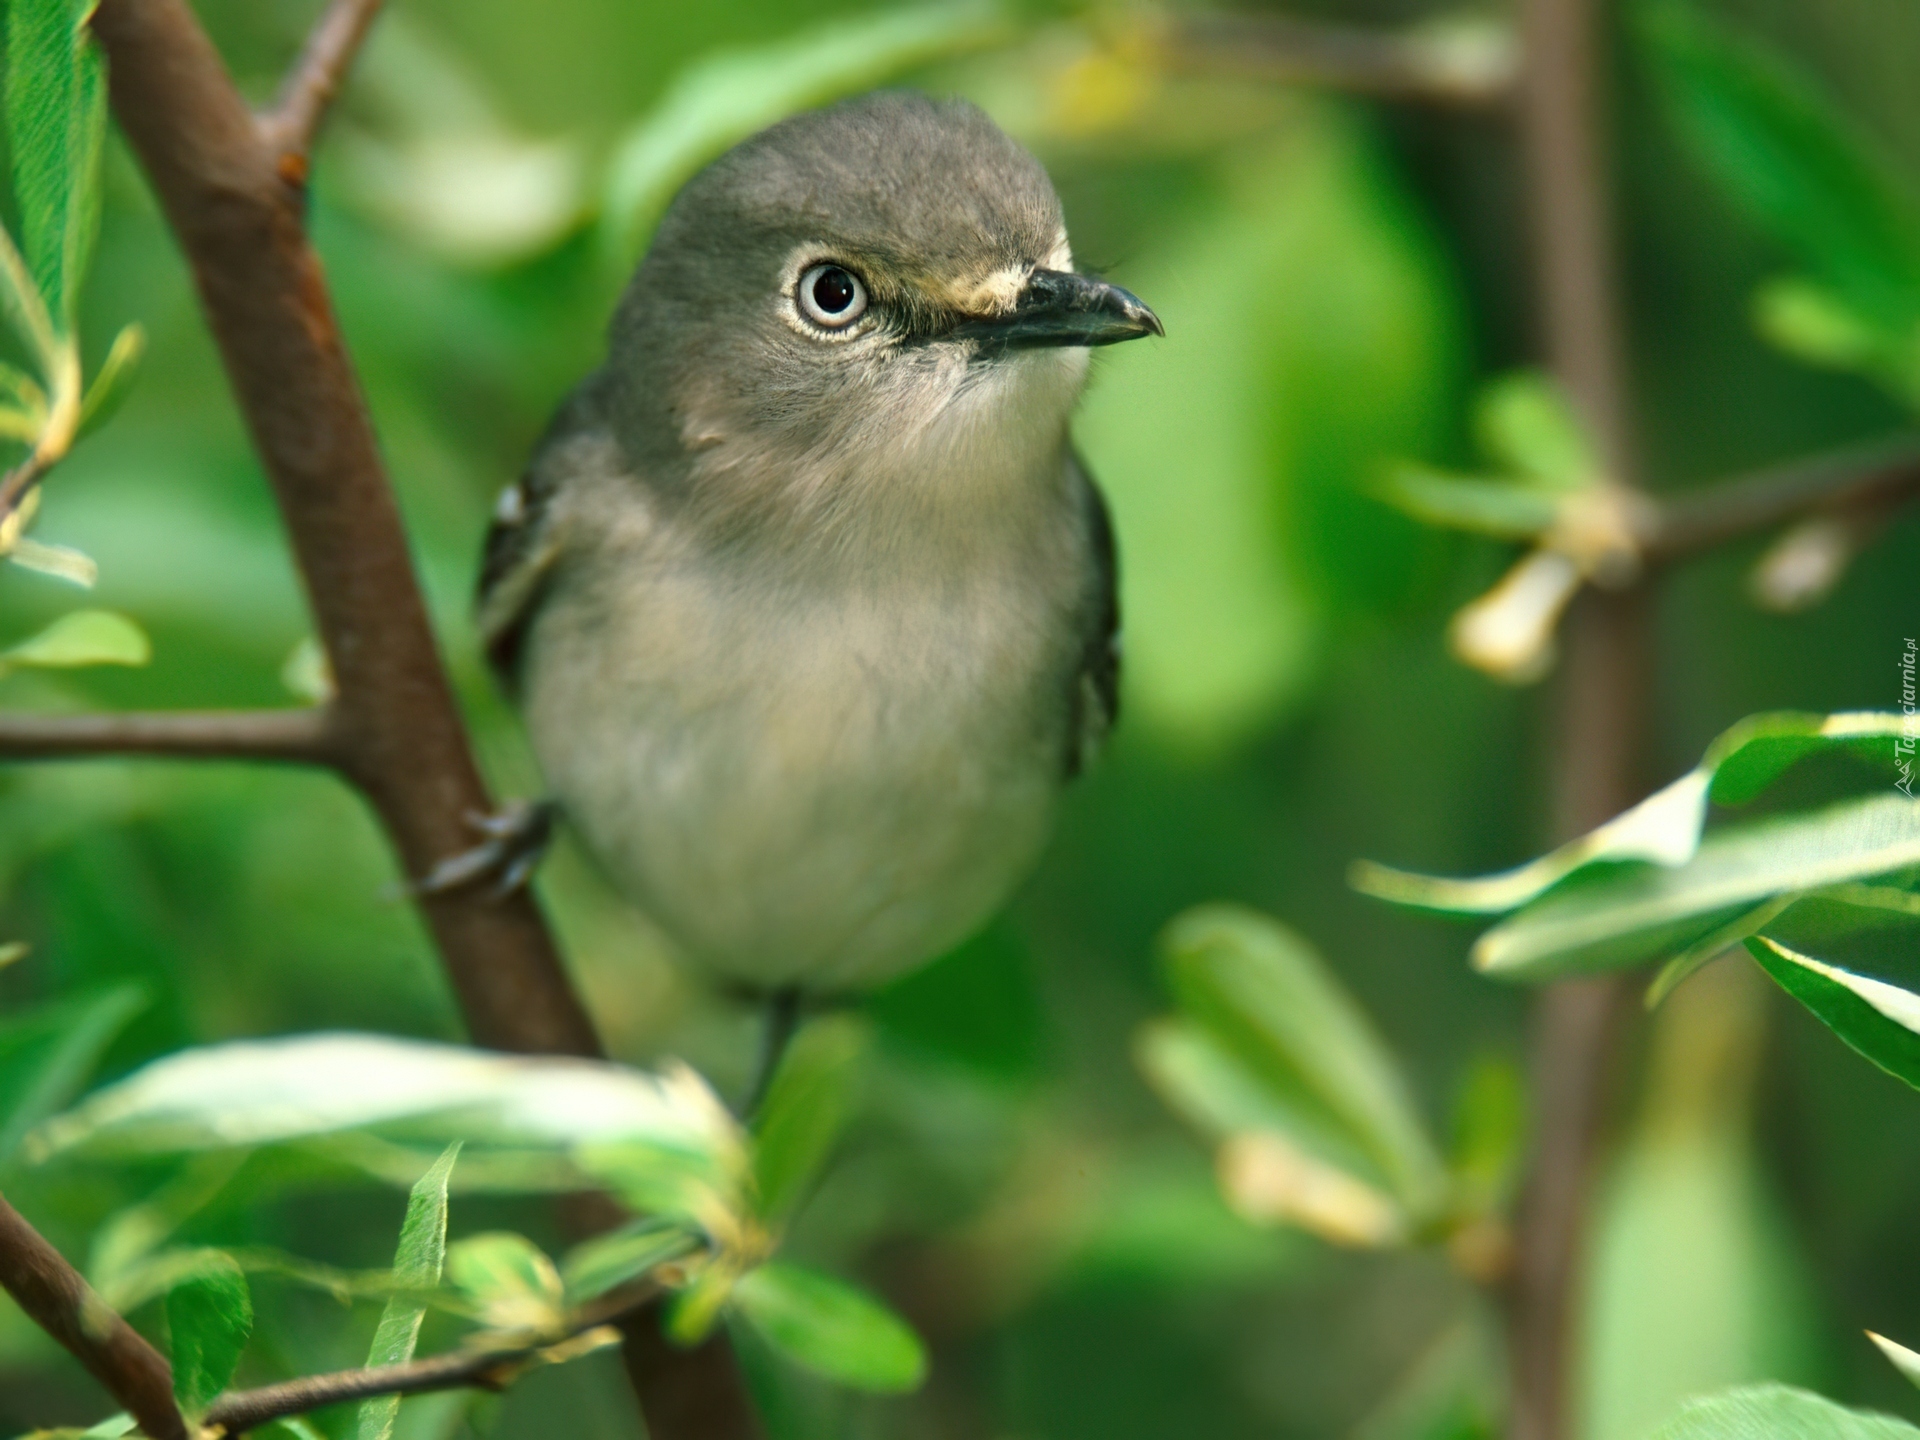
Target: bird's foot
column 515, row 840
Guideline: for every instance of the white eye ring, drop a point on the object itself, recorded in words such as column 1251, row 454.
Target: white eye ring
column 821, row 287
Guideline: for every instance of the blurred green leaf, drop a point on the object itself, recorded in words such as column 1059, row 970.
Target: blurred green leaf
column 210, row 1318
column 1489, row 1133
column 717, row 102
column 831, row 1327
column 1523, row 421
column 113, row 380
column 1904, row 1360
column 804, row 1110
column 84, row 637
column 1812, row 323
column 56, row 121
column 1703, row 952
column 62, row 562
column 1664, row 828
column 1271, row 1002
column 1799, row 166
column 509, row 1280
column 47, row 1054
column 417, row 1261
column 608, row 1261
column 1465, row 502
column 1880, row 1020
column 1632, row 914
column 1778, row 1412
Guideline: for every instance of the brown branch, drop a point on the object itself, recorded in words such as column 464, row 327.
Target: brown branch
column 1867, row 480
column 476, row 1369
column 1603, row 699
column 302, row 737
column 398, row 734
column 1464, row 71
column 60, row 1302
column 308, row 92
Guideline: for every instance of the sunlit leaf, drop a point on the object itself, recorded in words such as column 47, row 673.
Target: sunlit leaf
column 1271, row 1002
column 1703, row 952
column 1904, row 1360
column 717, row 102
column 804, row 1110
column 1469, row 502
column 47, row 1054
column 1778, row 1412
column 417, row 1261
column 1268, row 1180
column 1523, row 421
column 113, row 380
column 1665, row 828
column 608, row 1261
column 306, row 673
column 509, row 1280
column 62, row 562
column 1880, row 1020
column 12, row 951
column 210, row 1318
column 84, row 637
column 831, row 1327
column 56, row 121
column 1634, row 914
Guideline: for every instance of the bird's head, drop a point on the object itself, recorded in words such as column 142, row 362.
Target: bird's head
column 851, row 290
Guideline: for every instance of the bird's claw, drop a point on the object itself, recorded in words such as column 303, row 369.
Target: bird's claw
column 516, row 839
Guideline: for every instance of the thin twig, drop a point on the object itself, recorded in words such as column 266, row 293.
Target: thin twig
column 315, row 79
column 60, row 1302
column 489, row 1368
column 298, row 736
column 1868, row 478
column 1470, row 70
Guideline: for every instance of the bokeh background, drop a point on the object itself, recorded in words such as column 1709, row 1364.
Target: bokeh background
column 1336, row 277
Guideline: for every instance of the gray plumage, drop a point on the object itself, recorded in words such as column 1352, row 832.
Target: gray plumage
column 811, row 617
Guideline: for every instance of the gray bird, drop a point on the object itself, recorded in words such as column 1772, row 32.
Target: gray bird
column 805, row 598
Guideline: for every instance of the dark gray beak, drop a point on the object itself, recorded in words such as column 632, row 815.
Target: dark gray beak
column 1058, row 308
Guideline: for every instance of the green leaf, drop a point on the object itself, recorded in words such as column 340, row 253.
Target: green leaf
column 722, row 100
column 47, row 1054
column 1904, row 1360
column 830, row 1327
column 1664, row 828
column 1880, row 1020
column 62, row 562
column 1798, row 165
column 417, row 1262
column 114, row 379
column 1464, row 502
column 1489, row 1133
column 85, row 637
column 1524, row 422
column 56, row 122
column 1270, row 1001
column 510, row 1282
column 606, row 1262
column 804, row 1110
column 1778, row 1412
column 210, row 1318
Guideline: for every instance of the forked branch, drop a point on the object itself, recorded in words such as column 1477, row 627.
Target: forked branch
column 311, row 85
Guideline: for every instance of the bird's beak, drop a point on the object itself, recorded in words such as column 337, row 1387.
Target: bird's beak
column 1059, row 308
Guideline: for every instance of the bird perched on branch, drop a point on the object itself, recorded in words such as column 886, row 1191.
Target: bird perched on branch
column 805, row 598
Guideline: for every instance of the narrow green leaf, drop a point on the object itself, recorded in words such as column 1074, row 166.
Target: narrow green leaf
column 85, row 637
column 114, row 379
column 56, row 119
column 1489, row 1133
column 1778, row 1412
column 1703, row 952
column 604, row 1263
column 1467, row 502
column 510, row 1282
column 1524, row 421
column 12, row 951
column 1904, row 1360
column 804, row 1110
column 1631, row 915
column 111, row 1428
column 62, row 562
column 833, row 1328
column 1271, row 1002
column 416, row 1262
column 719, row 101
column 210, row 1317
column 1803, row 169
column 1880, row 1020
column 47, row 1054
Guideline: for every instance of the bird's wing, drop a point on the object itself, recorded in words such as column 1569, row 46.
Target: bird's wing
column 1094, row 704
column 524, row 541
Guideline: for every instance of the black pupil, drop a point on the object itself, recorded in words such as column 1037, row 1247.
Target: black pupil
column 833, row 291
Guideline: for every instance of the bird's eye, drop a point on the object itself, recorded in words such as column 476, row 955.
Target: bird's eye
column 832, row 296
